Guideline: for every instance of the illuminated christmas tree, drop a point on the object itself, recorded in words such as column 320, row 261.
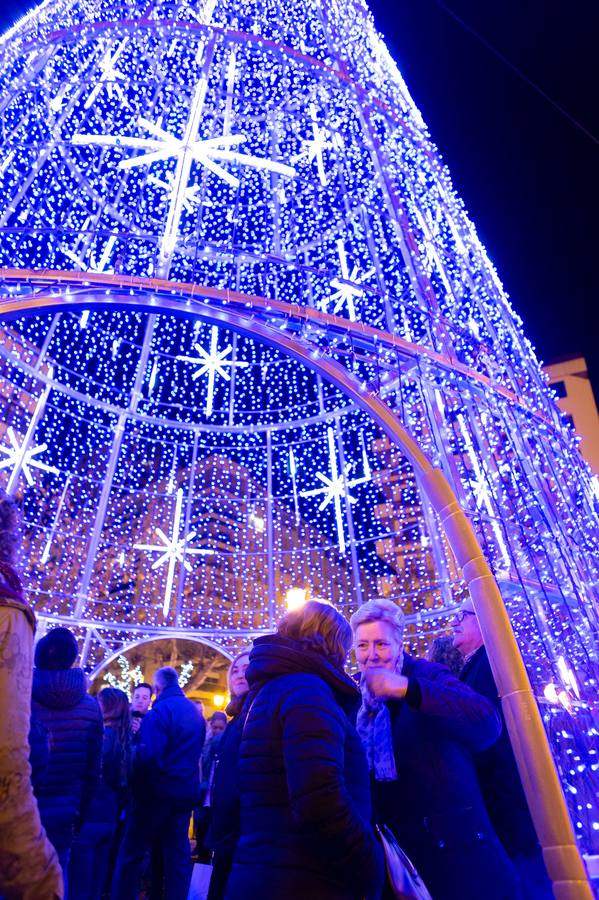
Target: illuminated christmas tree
column 225, row 232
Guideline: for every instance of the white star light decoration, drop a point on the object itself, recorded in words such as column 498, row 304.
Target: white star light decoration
column 173, row 550
column 212, row 362
column 322, row 139
column 162, row 146
column 337, row 486
column 110, row 77
column 482, row 493
column 346, row 291
column 19, row 457
column 191, row 194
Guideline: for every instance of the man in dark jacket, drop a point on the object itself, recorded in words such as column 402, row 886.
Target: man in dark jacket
column 166, row 786
column 74, row 723
column 496, row 767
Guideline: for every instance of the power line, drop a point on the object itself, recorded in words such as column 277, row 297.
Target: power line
column 501, row 56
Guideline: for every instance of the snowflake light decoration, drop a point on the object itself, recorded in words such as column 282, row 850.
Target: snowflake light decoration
column 173, row 550
column 24, row 458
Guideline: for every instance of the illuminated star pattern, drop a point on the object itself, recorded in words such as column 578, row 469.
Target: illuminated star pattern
column 161, row 146
column 321, row 140
column 17, row 456
column 212, row 362
column 336, row 487
column 110, row 77
column 173, row 550
column 347, row 290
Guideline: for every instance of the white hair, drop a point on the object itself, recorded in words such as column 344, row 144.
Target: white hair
column 380, row 611
column 166, row 677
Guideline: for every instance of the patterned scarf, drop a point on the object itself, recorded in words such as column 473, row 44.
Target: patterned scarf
column 374, row 727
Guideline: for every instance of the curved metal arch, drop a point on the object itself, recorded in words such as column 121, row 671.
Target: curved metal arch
column 170, row 296
column 149, row 640
column 535, row 761
column 137, row 300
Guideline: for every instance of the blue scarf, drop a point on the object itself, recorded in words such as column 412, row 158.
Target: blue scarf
column 374, row 727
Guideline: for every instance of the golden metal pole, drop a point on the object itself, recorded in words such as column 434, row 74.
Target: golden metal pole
column 529, row 741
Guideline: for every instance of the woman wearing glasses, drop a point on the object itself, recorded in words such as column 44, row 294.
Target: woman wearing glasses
column 420, row 726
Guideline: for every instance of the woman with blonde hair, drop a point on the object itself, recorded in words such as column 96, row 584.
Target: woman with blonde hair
column 420, row 726
column 305, row 798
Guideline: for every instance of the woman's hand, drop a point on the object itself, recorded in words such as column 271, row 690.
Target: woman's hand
column 385, row 685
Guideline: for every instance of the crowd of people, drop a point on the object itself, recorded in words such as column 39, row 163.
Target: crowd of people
column 283, row 792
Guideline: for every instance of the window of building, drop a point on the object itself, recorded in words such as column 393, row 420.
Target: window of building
column 560, row 388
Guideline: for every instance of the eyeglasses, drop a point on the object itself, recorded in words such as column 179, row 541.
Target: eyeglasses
column 461, row 615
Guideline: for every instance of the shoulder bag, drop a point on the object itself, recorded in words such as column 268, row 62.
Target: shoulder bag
column 402, row 876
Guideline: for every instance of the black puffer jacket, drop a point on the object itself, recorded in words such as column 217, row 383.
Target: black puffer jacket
column 223, row 833
column 305, row 798
column 497, row 770
column 74, row 723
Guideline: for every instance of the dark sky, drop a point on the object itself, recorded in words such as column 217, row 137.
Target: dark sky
column 528, row 175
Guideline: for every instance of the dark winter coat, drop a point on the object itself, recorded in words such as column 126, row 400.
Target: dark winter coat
column 435, row 807
column 305, row 797
column 39, row 752
column 223, row 833
column 111, row 793
column 167, row 757
column 74, row 723
column 497, row 771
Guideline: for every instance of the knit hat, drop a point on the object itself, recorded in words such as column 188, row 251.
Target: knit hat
column 57, row 650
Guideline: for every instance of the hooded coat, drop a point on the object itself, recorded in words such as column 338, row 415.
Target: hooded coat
column 74, row 723
column 304, row 787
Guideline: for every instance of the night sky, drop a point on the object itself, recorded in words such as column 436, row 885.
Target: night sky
column 527, row 174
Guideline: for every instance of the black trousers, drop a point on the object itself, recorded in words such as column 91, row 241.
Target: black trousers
column 154, row 823
column 222, row 863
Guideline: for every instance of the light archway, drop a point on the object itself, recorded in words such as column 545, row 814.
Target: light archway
column 130, row 645
column 253, row 317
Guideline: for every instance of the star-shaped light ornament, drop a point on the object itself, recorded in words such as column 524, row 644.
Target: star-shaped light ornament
column 161, row 146
column 110, row 77
column 212, row 362
column 336, row 486
column 322, row 139
column 18, row 456
column 191, row 194
column 482, row 493
column 173, row 550
column 347, row 291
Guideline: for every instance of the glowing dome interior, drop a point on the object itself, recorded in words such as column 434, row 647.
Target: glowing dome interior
column 260, row 477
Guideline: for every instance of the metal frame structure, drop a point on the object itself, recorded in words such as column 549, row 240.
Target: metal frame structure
column 535, row 762
column 178, row 170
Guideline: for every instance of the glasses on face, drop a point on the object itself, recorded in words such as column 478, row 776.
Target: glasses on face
column 461, row 615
